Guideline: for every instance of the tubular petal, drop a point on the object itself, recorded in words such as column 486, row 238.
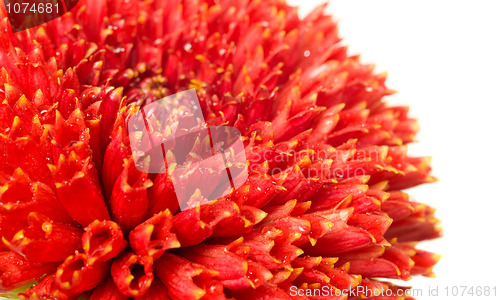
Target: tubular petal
column 187, row 280
column 129, row 200
column 153, row 237
column 15, row 271
column 45, row 240
column 133, row 274
column 107, row 290
column 76, row 274
column 103, row 240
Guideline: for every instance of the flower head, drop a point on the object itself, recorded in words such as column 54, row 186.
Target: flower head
column 322, row 205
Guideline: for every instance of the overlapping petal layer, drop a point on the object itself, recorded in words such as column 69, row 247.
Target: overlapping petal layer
column 323, row 205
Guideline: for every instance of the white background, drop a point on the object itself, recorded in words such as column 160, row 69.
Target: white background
column 443, row 58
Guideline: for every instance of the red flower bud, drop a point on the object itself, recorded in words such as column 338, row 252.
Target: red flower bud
column 78, row 274
column 133, row 274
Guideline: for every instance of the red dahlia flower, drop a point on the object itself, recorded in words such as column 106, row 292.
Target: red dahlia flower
column 322, row 206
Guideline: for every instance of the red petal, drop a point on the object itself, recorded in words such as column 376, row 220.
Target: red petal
column 187, row 280
column 190, row 228
column 107, row 290
column 162, row 195
column 76, row 274
column 115, row 153
column 45, row 240
column 133, row 274
column 80, row 195
column 153, row 237
column 375, row 268
column 129, row 200
column 157, row 291
column 218, row 258
column 15, row 271
column 47, row 289
column 103, row 240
